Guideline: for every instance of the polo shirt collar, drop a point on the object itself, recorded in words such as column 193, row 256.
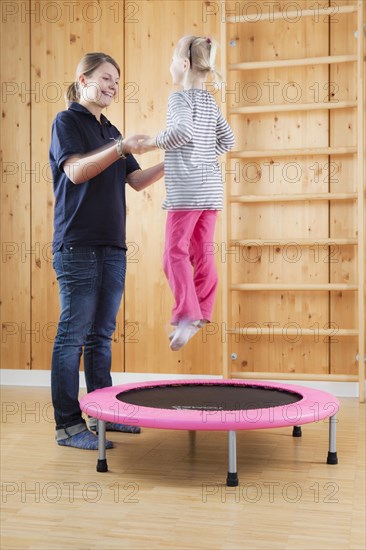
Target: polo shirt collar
column 74, row 106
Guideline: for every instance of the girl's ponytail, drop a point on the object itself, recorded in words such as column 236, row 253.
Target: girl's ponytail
column 201, row 53
column 213, row 45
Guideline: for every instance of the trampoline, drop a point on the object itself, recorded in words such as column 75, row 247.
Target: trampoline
column 225, row 405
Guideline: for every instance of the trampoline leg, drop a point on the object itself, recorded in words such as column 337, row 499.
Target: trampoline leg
column 232, row 476
column 102, row 465
column 332, row 453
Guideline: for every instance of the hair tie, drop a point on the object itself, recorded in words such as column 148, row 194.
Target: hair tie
column 208, row 40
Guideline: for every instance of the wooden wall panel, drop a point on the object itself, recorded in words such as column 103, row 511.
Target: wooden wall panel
column 16, row 251
column 41, row 44
column 149, row 49
column 60, row 36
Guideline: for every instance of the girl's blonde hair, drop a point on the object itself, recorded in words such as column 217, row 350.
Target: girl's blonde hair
column 87, row 65
column 201, row 53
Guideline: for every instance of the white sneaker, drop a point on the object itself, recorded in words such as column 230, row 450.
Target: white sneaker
column 184, row 332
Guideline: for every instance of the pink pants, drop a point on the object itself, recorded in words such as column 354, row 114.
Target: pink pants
column 188, row 244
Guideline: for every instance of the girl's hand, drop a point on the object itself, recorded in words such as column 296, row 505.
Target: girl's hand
column 139, row 143
column 149, row 144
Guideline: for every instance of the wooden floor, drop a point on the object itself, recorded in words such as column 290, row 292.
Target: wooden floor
column 166, row 491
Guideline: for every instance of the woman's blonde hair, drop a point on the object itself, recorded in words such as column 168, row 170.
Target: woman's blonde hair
column 201, row 53
column 87, row 65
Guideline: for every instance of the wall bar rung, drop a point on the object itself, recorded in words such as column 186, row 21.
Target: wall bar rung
column 325, row 60
column 273, row 331
column 290, row 15
column 294, row 152
column 291, row 107
column 283, row 286
column 294, row 241
column 295, row 376
column 293, row 198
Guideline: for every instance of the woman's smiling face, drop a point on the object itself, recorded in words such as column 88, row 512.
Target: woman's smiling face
column 101, row 86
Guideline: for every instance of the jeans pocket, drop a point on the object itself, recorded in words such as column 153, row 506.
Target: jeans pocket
column 78, row 270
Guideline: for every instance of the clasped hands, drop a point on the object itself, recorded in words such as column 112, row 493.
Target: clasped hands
column 138, row 144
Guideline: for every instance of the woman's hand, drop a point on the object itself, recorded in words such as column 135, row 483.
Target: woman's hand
column 138, row 144
column 134, row 144
column 81, row 168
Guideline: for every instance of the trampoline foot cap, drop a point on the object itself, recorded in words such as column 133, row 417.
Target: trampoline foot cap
column 102, row 465
column 332, row 458
column 296, row 431
column 232, row 479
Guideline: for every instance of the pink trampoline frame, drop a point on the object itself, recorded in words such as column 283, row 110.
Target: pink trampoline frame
column 314, row 406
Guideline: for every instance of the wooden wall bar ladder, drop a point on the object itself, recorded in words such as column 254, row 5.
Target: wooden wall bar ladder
column 358, row 197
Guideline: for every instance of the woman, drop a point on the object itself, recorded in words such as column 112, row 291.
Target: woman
column 90, row 163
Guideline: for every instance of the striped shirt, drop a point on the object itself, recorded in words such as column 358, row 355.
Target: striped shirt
column 196, row 134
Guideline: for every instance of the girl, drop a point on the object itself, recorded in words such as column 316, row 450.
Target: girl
column 196, row 134
column 90, row 165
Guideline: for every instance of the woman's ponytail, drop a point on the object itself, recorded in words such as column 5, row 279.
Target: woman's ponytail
column 72, row 93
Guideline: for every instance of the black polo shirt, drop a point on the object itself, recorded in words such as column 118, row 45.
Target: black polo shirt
column 94, row 212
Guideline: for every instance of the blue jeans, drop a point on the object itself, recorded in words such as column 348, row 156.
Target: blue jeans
column 91, row 282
